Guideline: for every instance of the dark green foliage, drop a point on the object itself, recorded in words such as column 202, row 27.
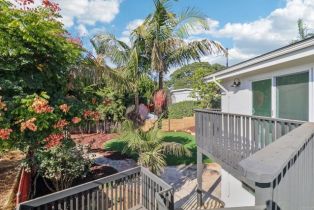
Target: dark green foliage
column 183, row 77
column 182, row 109
column 35, row 52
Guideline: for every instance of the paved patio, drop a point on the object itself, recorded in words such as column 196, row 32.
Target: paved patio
column 183, row 179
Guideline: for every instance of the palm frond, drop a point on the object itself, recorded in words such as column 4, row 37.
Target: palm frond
column 176, row 149
column 193, row 51
column 108, row 45
column 188, row 21
column 153, row 159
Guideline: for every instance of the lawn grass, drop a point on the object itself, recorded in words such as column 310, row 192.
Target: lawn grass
column 179, row 137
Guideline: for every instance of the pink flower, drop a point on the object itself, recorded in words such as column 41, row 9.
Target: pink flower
column 29, row 124
column 76, row 120
column 5, row 133
column 40, row 105
column 61, row 124
column 53, row 140
column 64, row 107
column 91, row 114
column 51, row 5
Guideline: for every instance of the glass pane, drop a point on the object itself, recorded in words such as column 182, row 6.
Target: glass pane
column 262, row 97
column 293, row 96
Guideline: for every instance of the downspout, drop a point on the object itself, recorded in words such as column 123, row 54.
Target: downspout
column 219, row 85
column 224, row 89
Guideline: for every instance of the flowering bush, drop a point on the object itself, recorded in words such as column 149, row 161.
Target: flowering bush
column 62, row 164
column 30, row 123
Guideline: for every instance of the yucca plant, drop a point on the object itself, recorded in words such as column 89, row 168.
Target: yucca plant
column 150, row 147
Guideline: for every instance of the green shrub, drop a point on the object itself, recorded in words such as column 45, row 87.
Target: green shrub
column 182, row 109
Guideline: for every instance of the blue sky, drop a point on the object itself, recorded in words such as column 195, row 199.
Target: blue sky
column 247, row 27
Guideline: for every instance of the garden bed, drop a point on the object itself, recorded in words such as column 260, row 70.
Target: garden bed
column 96, row 140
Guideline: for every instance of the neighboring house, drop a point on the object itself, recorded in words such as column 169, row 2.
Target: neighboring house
column 183, row 94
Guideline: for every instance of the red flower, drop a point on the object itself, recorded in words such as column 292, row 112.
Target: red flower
column 5, row 133
column 51, row 5
column 76, row 120
column 64, row 107
column 76, row 41
column 53, row 140
column 60, row 124
column 40, row 105
column 94, row 115
column 29, row 124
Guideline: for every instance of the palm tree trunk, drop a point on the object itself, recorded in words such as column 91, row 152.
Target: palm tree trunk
column 161, row 80
column 136, row 100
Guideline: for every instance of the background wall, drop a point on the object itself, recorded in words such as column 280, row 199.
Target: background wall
column 181, row 95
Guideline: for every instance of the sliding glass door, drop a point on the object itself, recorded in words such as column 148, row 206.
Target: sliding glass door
column 293, row 96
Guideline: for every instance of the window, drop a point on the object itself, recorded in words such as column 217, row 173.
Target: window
column 293, row 96
column 262, row 97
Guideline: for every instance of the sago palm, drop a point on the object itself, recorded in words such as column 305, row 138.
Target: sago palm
column 150, row 147
column 165, row 38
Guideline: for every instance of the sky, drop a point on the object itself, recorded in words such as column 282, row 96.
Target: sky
column 247, row 28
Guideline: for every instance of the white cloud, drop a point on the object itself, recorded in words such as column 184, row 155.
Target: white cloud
column 198, row 29
column 277, row 29
column 129, row 28
column 88, row 11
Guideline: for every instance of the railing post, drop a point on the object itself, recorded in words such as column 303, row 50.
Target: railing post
column 264, row 194
column 199, row 177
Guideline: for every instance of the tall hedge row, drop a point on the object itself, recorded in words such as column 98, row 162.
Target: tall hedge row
column 182, row 109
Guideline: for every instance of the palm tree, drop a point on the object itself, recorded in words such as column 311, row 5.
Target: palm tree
column 129, row 60
column 150, row 147
column 165, row 36
column 302, row 31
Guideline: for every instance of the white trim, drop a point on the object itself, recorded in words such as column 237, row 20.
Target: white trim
column 282, row 55
column 311, row 95
column 273, row 97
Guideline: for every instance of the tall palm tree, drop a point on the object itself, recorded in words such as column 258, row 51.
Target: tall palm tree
column 165, row 36
column 150, row 147
column 303, row 31
column 129, row 60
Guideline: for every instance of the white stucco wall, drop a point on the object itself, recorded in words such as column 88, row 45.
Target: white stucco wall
column 232, row 192
column 239, row 99
column 181, row 95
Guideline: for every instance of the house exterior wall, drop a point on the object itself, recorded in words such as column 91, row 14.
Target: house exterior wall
column 239, row 99
column 232, row 192
column 181, row 95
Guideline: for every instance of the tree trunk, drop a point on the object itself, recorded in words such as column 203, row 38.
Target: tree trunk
column 136, row 101
column 161, row 80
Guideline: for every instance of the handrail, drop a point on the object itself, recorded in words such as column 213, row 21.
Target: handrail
column 80, row 188
column 265, row 165
column 283, row 171
column 127, row 189
column 262, row 207
column 252, row 116
column 229, row 138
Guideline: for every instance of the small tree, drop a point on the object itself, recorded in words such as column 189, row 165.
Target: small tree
column 207, row 93
column 62, row 164
column 150, row 147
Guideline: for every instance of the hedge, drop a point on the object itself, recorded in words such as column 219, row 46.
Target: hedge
column 182, row 109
